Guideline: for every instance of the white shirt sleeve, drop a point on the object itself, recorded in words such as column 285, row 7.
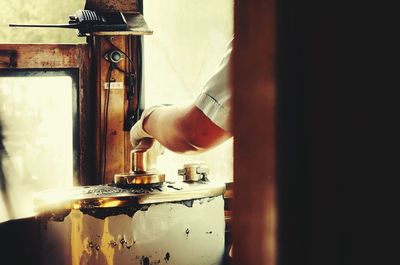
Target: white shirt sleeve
column 215, row 99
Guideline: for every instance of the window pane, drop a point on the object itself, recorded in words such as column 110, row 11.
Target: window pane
column 37, row 118
column 189, row 41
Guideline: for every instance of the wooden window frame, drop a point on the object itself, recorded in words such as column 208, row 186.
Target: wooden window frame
column 62, row 56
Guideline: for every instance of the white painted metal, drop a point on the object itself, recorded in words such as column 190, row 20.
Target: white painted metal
column 162, row 233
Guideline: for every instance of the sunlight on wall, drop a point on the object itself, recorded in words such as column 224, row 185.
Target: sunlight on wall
column 189, row 41
column 36, row 118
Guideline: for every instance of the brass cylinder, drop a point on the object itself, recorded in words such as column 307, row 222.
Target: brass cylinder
column 138, row 161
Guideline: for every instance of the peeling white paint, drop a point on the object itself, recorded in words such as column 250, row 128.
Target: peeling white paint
column 165, row 233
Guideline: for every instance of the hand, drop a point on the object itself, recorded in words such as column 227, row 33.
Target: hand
column 152, row 148
column 144, row 144
column 137, row 132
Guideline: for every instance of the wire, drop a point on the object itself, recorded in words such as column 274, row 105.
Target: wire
column 130, row 74
column 121, row 51
column 106, row 104
column 121, row 70
column 139, row 76
column 132, row 68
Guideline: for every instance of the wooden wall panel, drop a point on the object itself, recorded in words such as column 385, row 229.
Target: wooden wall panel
column 117, row 146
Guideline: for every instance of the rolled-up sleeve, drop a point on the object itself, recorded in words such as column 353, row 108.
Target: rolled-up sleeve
column 215, row 99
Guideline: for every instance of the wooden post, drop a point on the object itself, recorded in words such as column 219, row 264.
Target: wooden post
column 255, row 211
column 125, row 6
column 113, row 154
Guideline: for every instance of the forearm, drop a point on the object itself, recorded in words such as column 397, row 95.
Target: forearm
column 183, row 129
column 165, row 124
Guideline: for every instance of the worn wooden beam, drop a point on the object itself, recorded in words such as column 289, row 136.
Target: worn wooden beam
column 47, row 55
column 254, row 102
column 124, row 6
column 86, row 119
column 113, row 154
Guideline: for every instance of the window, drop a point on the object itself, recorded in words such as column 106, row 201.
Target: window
column 189, row 41
column 38, row 117
column 39, row 103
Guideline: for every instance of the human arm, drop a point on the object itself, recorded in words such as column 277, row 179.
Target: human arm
column 194, row 128
column 182, row 129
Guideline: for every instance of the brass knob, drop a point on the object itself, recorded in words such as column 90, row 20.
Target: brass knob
column 142, row 165
column 138, row 163
column 144, row 157
column 194, row 172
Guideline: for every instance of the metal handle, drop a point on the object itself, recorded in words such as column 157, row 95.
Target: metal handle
column 142, row 165
column 138, row 161
column 194, row 172
column 144, row 157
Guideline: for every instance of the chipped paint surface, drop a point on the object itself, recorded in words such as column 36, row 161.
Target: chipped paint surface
column 164, row 233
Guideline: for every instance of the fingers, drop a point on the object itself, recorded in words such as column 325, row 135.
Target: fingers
column 152, row 149
column 137, row 133
column 144, row 144
column 150, row 145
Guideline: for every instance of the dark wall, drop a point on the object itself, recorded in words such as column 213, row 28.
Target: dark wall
column 337, row 135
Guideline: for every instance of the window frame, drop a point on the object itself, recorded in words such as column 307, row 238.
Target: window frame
column 74, row 57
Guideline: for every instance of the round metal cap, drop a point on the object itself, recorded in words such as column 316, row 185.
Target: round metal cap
column 139, row 178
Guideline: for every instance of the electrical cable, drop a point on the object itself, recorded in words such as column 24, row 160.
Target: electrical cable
column 131, row 77
column 112, row 66
column 106, row 104
column 121, row 70
column 121, row 51
column 139, row 76
column 130, row 90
